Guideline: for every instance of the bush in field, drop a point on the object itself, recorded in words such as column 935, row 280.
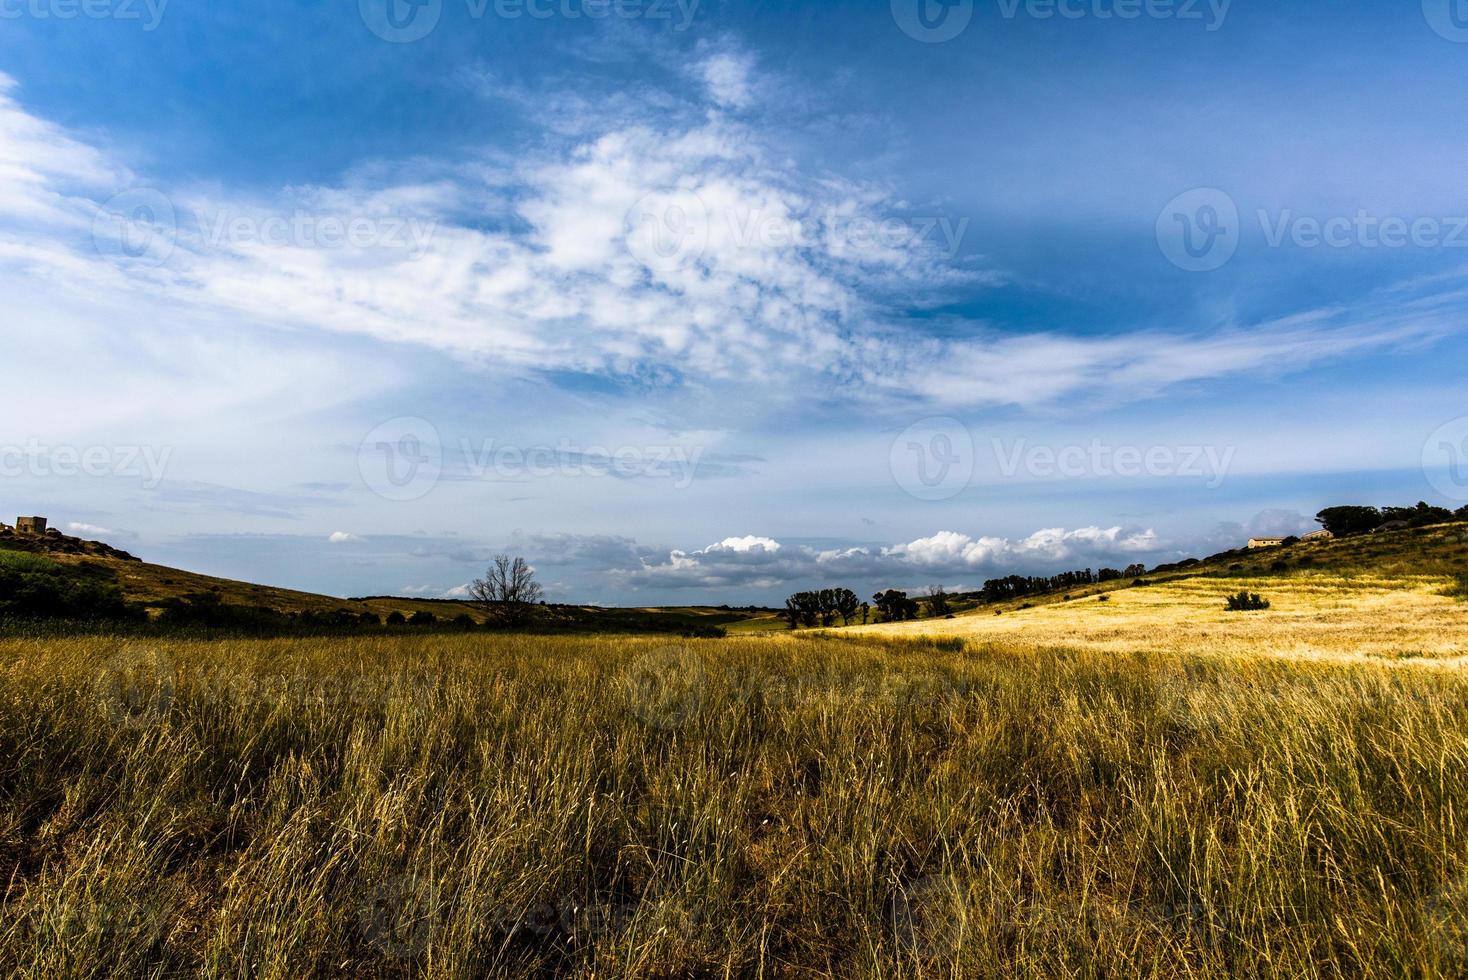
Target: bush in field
column 464, row 621
column 1247, row 602
column 396, row 618
column 32, row 587
column 937, row 600
column 422, row 618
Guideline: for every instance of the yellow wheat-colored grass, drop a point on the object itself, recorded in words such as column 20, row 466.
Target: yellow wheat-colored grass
column 1313, row 616
column 485, row 805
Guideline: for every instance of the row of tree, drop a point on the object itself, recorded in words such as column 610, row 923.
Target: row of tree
column 1354, row 519
column 1016, row 586
column 824, row 606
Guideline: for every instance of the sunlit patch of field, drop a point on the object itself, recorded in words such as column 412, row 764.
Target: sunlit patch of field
column 1313, row 615
column 465, row 805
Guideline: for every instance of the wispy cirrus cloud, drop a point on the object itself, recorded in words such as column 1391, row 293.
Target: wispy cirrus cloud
column 793, row 281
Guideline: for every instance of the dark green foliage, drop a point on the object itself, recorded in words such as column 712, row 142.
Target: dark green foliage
column 706, row 633
column 422, row 618
column 1247, row 602
column 821, row 607
column 895, row 606
column 1422, row 515
column 1346, row 521
column 32, row 587
column 396, row 618
column 464, row 621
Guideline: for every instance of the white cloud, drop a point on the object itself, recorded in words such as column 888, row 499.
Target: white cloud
column 77, row 527
column 727, row 78
column 745, row 544
column 342, row 537
column 753, row 562
column 791, row 287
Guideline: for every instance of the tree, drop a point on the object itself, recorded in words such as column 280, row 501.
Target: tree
column 422, row 618
column 396, row 618
column 1135, row 571
column 937, row 599
column 791, row 612
column 508, row 592
column 895, row 606
column 1420, row 516
column 847, row 604
column 1346, row 521
column 866, row 608
column 1461, row 513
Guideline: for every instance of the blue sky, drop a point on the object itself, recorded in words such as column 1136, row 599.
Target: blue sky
column 710, row 301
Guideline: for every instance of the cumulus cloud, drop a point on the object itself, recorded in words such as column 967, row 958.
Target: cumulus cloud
column 763, row 562
column 342, row 537
column 77, row 527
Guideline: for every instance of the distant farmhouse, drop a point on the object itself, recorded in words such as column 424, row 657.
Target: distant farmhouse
column 1320, row 535
column 30, row 525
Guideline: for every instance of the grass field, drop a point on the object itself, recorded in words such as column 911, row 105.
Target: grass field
column 462, row 806
column 1142, row 786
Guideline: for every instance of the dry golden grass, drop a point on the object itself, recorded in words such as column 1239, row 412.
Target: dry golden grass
column 1314, row 615
column 475, row 805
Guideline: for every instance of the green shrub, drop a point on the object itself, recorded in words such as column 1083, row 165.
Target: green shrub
column 32, row 587
column 1459, row 589
column 422, row 618
column 1247, row 602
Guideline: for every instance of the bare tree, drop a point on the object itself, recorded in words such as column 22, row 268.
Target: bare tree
column 508, row 592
